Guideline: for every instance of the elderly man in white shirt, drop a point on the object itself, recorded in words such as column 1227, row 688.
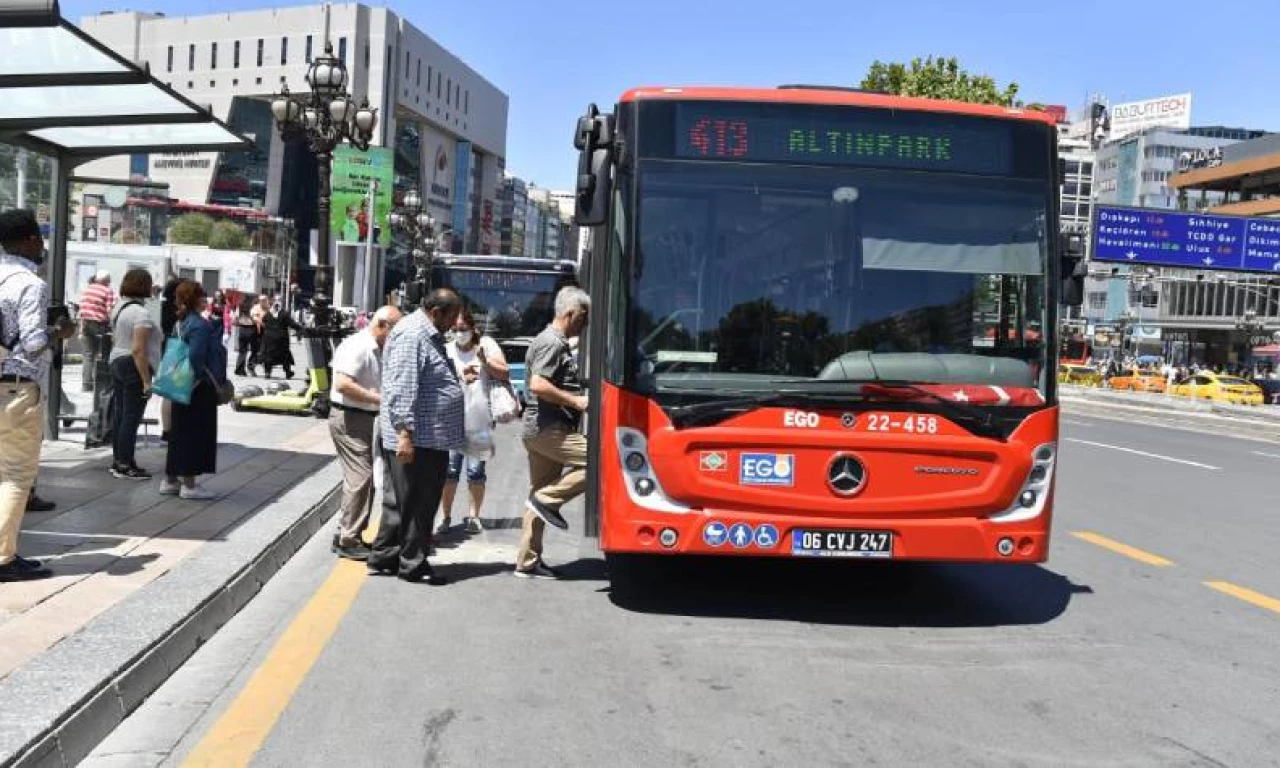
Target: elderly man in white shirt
column 357, row 377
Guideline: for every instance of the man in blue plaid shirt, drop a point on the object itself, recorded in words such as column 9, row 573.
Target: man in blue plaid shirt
column 422, row 420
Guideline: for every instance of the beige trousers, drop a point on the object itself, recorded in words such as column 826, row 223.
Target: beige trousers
column 21, row 430
column 550, row 453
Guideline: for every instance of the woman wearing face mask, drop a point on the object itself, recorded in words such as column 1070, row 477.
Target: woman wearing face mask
column 469, row 350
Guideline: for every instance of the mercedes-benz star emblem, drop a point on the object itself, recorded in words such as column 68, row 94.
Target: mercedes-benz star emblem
column 848, row 420
column 845, row 475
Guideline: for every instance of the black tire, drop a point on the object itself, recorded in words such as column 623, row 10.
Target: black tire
column 629, row 573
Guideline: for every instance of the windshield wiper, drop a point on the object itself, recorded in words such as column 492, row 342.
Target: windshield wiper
column 696, row 413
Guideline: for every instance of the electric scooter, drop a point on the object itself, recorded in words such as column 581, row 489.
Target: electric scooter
column 314, row 401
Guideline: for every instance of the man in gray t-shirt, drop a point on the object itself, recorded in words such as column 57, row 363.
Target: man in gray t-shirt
column 551, row 429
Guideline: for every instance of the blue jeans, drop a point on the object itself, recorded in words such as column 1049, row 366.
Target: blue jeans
column 475, row 469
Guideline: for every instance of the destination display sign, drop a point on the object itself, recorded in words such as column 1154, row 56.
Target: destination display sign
column 1179, row 239
column 850, row 137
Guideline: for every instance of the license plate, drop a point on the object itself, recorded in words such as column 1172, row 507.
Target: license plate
column 842, row 543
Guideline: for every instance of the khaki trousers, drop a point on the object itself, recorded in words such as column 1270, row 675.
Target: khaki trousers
column 352, row 433
column 21, row 430
column 550, row 453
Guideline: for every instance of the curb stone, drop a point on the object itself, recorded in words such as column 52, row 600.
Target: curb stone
column 83, row 687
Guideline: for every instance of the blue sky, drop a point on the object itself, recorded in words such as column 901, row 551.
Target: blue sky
column 553, row 57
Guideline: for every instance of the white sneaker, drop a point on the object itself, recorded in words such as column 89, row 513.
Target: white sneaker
column 169, row 489
column 197, row 493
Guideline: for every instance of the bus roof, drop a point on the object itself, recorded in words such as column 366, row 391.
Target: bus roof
column 835, row 97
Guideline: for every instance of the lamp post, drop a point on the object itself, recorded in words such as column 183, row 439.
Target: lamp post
column 1125, row 322
column 412, row 220
column 325, row 117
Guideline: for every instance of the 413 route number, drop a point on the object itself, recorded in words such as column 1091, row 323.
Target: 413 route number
column 916, row 425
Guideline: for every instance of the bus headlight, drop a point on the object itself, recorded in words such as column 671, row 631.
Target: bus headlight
column 638, row 474
column 1034, row 494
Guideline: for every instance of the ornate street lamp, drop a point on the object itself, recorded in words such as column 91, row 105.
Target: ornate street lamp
column 413, row 221
column 326, row 117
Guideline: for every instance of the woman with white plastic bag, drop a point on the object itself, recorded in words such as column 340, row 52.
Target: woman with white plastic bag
column 481, row 354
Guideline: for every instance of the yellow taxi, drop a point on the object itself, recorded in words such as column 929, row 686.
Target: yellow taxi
column 1081, row 375
column 1137, row 380
column 1220, row 389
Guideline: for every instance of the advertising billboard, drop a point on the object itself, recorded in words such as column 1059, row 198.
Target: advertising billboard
column 1178, row 239
column 1165, row 111
column 352, row 172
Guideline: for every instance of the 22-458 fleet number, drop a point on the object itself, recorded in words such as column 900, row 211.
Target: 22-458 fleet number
column 916, row 425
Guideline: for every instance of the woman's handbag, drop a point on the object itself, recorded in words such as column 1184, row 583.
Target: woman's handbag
column 175, row 380
column 226, row 390
column 503, row 404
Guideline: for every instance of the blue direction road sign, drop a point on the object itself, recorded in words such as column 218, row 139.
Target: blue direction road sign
column 1177, row 239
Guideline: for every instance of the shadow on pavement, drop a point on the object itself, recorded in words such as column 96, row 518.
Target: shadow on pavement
column 880, row 594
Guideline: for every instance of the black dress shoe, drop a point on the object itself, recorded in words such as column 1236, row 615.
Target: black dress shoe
column 381, row 569
column 37, row 504
column 425, row 576
column 29, row 564
column 15, row 571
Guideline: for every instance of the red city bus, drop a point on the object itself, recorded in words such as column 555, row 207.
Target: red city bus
column 824, row 325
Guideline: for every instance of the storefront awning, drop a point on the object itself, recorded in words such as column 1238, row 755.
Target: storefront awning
column 64, row 94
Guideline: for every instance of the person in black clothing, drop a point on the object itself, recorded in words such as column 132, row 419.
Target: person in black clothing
column 248, row 340
column 275, row 341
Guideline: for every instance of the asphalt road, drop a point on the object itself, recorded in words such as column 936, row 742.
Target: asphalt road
column 1116, row 653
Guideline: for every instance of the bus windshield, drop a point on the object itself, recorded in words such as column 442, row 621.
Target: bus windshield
column 507, row 302
column 747, row 277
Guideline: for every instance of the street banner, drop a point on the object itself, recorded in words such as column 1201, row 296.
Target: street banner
column 352, row 172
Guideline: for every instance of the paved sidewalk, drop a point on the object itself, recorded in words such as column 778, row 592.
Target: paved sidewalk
column 111, row 543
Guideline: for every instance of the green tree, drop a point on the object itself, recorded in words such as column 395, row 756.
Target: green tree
column 191, row 229
column 228, row 236
column 939, row 78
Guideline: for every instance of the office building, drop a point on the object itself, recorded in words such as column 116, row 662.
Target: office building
column 445, row 122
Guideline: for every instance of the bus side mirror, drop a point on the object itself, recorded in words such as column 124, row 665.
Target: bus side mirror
column 592, row 208
column 1074, row 269
column 594, row 140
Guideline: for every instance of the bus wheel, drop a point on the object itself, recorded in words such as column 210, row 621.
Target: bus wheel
column 628, row 572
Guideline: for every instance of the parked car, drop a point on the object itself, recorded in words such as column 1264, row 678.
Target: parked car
column 1137, row 380
column 1220, row 389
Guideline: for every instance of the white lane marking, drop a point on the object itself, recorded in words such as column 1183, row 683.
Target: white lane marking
column 1077, row 423
column 1143, row 453
column 1268, row 455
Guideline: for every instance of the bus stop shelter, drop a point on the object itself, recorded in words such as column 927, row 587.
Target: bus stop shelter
column 65, row 95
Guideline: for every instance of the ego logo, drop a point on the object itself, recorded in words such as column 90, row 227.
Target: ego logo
column 767, row 469
column 800, row 419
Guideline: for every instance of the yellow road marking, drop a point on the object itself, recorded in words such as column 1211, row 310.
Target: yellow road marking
column 1247, row 595
column 1141, row 556
column 242, row 729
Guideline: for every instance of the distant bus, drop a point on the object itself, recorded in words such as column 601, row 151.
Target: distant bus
column 512, row 297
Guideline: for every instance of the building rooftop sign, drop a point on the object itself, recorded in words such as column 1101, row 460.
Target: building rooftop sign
column 1177, row 239
column 1137, row 116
